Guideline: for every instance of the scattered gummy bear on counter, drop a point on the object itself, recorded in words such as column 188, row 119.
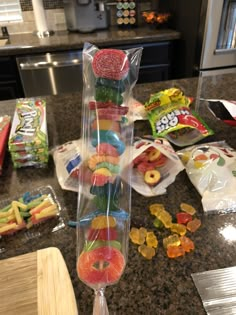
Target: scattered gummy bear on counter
column 140, row 236
column 177, row 243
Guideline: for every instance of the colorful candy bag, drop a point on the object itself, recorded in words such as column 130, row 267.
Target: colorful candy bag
column 155, row 166
column 28, row 141
column 170, row 116
column 67, row 160
column 211, row 167
column 104, row 200
column 5, row 123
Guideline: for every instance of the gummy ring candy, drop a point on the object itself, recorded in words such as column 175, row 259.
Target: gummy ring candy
column 153, row 155
column 103, row 221
column 152, row 177
column 110, row 137
column 110, row 64
column 103, row 265
column 106, row 234
column 96, row 244
column 95, row 159
column 106, row 149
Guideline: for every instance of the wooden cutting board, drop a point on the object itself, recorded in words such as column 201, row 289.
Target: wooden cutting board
column 37, row 283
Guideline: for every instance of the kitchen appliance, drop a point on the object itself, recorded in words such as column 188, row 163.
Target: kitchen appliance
column 86, row 15
column 208, row 29
column 51, row 74
column 36, row 283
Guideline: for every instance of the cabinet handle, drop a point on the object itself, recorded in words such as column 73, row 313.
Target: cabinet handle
column 51, row 64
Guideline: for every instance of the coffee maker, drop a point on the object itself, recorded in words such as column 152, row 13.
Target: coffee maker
column 86, row 15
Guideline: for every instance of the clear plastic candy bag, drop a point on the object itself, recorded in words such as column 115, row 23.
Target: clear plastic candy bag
column 211, row 167
column 104, row 200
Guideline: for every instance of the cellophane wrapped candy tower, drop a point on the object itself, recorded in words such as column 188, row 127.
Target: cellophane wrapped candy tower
column 104, row 199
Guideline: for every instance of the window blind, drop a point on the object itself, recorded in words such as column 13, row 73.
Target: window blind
column 10, row 11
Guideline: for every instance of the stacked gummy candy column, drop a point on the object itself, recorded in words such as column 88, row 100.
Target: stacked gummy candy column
column 104, row 198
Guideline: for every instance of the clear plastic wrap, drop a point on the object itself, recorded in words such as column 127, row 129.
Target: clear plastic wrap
column 211, row 167
column 104, row 200
column 29, row 216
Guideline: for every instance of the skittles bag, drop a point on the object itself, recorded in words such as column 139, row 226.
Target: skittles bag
column 170, row 116
column 104, row 200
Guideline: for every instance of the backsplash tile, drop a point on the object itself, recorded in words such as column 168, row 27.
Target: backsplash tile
column 26, row 5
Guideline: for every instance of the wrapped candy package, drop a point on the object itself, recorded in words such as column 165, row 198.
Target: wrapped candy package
column 211, row 167
column 67, row 162
column 5, row 123
column 28, row 141
column 104, row 200
column 170, row 117
column 155, row 166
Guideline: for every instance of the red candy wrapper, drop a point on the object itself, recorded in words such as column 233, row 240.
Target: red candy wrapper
column 5, row 122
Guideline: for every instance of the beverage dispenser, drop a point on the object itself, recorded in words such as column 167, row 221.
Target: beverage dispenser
column 86, row 15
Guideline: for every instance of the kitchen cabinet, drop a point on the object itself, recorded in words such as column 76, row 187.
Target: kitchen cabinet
column 10, row 84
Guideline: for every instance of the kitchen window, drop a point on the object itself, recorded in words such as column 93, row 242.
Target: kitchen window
column 10, row 11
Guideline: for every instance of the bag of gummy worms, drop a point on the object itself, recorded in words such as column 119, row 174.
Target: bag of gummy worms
column 104, row 199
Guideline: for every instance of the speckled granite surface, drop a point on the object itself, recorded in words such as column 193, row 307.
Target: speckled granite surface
column 28, row 43
column 160, row 286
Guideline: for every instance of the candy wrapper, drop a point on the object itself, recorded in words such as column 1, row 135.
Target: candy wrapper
column 28, row 141
column 104, row 202
column 4, row 132
column 67, row 160
column 155, row 166
column 170, row 116
column 211, row 167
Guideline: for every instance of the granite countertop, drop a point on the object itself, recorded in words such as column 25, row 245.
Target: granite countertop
column 162, row 285
column 28, row 43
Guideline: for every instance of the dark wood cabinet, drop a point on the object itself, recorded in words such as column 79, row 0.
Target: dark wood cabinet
column 10, row 84
column 156, row 62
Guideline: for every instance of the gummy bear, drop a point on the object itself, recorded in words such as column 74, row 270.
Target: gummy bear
column 186, row 243
column 172, row 240
column 137, row 236
column 158, row 224
column 187, row 208
column 183, row 218
column 165, row 218
column 151, row 240
column 178, row 228
column 156, row 208
column 146, row 251
column 193, row 225
column 175, row 251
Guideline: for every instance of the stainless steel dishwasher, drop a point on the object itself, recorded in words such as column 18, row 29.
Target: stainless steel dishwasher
column 51, row 73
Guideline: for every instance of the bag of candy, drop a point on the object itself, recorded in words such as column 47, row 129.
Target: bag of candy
column 211, row 167
column 5, row 124
column 155, row 166
column 170, row 116
column 67, row 160
column 104, row 199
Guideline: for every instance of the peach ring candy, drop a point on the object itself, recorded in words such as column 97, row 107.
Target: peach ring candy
column 103, row 265
column 153, row 155
column 110, row 64
column 152, row 177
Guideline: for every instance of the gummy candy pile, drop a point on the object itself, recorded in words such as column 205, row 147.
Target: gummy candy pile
column 177, row 243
